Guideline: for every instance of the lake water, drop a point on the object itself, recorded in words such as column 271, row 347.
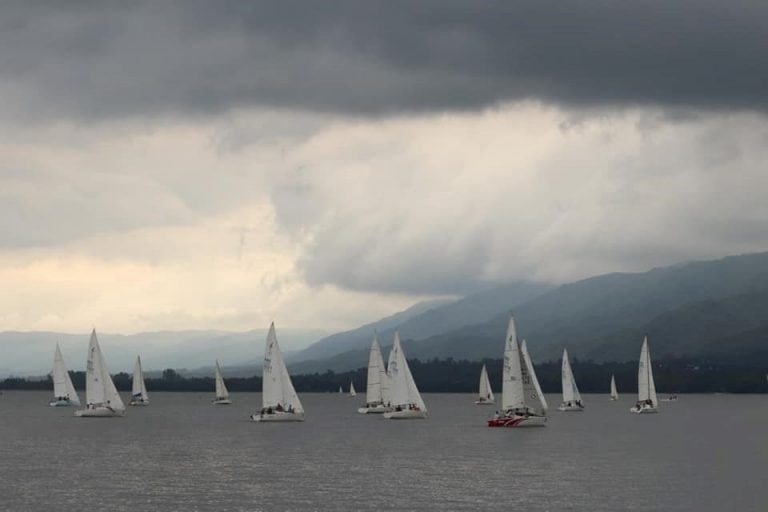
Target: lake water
column 704, row 452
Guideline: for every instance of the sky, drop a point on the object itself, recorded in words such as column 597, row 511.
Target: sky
column 219, row 165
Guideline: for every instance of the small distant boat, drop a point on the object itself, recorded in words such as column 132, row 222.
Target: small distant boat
column 670, row 398
column 138, row 388
column 278, row 397
column 523, row 404
column 101, row 397
column 614, row 392
column 406, row 399
column 377, row 380
column 571, row 396
column 485, row 394
column 341, row 391
column 64, row 393
column 352, row 391
column 647, row 402
column 222, row 394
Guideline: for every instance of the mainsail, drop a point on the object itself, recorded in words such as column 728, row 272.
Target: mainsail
column 138, row 388
column 646, row 388
column 512, row 395
column 570, row 390
column 221, row 388
column 404, row 390
column 99, row 388
column 373, row 392
column 614, row 392
column 485, row 393
column 62, row 383
column 277, row 386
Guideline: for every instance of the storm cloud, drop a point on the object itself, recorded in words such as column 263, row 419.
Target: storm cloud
column 136, row 59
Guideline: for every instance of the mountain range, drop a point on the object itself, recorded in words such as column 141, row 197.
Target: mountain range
column 704, row 309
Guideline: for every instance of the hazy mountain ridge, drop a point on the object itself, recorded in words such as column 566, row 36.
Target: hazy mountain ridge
column 690, row 309
column 423, row 321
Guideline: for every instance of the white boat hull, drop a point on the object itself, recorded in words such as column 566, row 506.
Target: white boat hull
column 376, row 409
column 407, row 414
column 98, row 412
column 518, row 421
column 645, row 409
column 278, row 417
column 62, row 403
column 138, row 403
column 570, row 408
column 484, row 402
column 222, row 401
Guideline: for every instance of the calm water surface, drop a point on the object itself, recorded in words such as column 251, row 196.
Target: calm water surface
column 181, row 453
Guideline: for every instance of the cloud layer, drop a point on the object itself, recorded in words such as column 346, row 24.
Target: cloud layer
column 95, row 60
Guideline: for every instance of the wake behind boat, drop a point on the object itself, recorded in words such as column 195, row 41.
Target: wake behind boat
column 523, row 404
column 647, row 403
column 139, row 395
column 222, row 394
column 64, row 393
column 377, row 380
column 571, row 396
column 406, row 399
column 101, row 397
column 278, row 397
column 485, row 394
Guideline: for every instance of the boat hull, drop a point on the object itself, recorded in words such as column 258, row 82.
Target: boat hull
column 484, row 402
column 408, row 414
column 518, row 421
column 222, row 401
column 98, row 412
column 570, row 408
column 376, row 409
column 646, row 409
column 62, row 403
column 277, row 417
column 138, row 403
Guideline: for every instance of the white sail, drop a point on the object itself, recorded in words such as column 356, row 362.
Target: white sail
column 386, row 380
column 614, row 392
column 646, row 388
column 512, row 395
column 99, row 388
column 352, row 391
column 277, row 386
column 62, row 383
column 138, row 388
column 404, row 390
column 485, row 393
column 534, row 398
column 570, row 390
column 221, row 389
column 373, row 391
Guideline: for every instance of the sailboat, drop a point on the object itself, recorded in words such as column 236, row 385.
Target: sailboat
column 278, row 397
column 138, row 388
column 614, row 392
column 646, row 389
column 341, row 390
column 571, row 396
column 406, row 399
column 222, row 395
column 352, row 391
column 101, row 397
column 377, row 382
column 485, row 395
column 64, row 393
column 523, row 404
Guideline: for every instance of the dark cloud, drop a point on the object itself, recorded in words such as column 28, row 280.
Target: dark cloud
column 104, row 59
